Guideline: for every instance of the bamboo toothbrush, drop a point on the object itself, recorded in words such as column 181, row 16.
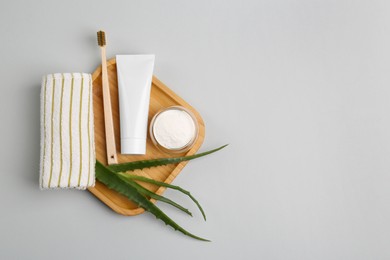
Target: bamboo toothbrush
column 109, row 125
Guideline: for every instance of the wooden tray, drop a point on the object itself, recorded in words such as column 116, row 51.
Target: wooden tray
column 161, row 97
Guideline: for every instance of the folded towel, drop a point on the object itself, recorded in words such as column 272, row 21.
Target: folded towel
column 67, row 135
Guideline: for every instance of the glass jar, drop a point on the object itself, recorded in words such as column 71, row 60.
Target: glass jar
column 174, row 129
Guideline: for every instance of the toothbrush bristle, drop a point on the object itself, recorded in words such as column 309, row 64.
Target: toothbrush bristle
column 101, row 38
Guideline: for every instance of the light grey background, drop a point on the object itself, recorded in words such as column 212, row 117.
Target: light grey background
column 300, row 89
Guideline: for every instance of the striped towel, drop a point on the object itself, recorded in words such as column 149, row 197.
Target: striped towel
column 67, row 135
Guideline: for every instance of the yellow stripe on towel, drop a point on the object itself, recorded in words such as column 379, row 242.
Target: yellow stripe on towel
column 52, row 130
column 61, row 160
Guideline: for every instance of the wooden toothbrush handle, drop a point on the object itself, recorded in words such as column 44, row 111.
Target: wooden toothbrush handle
column 108, row 122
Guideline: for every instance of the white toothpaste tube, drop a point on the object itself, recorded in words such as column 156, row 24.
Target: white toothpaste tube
column 134, row 83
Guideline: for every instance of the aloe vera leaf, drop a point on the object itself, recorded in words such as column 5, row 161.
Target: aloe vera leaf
column 138, row 165
column 112, row 181
column 153, row 195
column 159, row 183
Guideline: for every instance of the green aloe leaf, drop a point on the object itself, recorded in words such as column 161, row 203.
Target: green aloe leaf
column 153, row 195
column 159, row 183
column 138, row 165
column 112, row 181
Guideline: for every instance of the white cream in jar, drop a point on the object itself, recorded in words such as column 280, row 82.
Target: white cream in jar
column 174, row 129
